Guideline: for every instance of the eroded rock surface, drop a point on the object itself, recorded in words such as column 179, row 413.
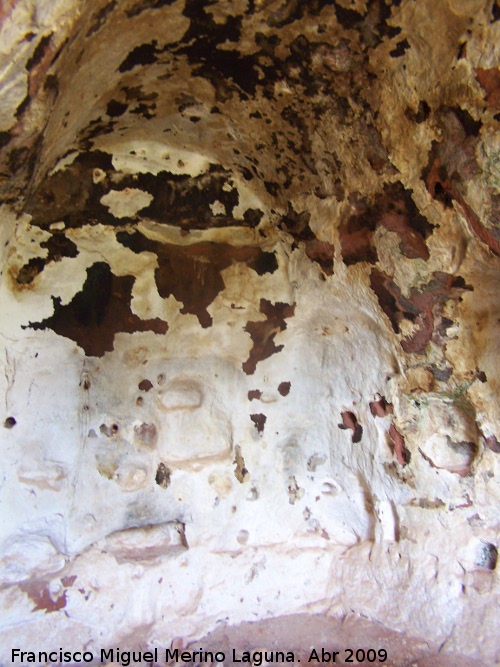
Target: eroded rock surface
column 250, row 316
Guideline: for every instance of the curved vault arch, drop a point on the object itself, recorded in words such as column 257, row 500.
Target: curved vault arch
column 264, row 249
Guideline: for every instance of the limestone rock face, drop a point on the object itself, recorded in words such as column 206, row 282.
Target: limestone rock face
column 250, row 258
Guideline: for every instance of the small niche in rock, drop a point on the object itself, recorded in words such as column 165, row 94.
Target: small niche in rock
column 85, row 382
column 240, row 471
column 10, row 422
column 109, row 431
column 265, row 262
column 259, row 420
column 421, row 114
column 145, row 385
column 284, row 388
column 162, row 476
column 146, row 434
column 472, row 127
column 349, row 420
column 402, row 454
column 29, row 271
column 400, row 49
column 488, row 556
column 115, row 108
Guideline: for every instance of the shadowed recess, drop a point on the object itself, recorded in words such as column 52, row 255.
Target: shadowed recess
column 192, row 273
column 94, row 315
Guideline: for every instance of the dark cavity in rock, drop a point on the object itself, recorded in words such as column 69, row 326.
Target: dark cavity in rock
column 264, row 332
column 98, row 312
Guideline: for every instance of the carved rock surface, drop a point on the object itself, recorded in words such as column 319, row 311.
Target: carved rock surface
column 249, row 319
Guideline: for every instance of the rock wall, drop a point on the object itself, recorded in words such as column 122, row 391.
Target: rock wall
column 249, row 297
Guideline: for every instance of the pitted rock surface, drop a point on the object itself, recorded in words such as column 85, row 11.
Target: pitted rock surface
column 250, row 256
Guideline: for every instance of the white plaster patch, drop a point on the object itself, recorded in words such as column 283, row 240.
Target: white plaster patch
column 218, row 208
column 134, row 156
column 247, row 198
column 57, row 226
column 65, row 161
column 98, row 175
column 126, row 203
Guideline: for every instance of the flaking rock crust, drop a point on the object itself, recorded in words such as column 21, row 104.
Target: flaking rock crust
column 249, row 316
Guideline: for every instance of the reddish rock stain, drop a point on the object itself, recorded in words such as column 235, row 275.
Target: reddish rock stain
column 259, row 420
column 254, row 394
column 490, row 82
column 446, row 189
column 356, row 240
column 192, row 273
column 381, row 408
column 487, row 236
column 394, row 209
column 402, row 454
column 264, row 332
column 38, row 592
column 492, row 443
column 284, row 388
column 424, row 307
column 452, row 163
column 37, row 67
column 297, row 225
column 322, row 253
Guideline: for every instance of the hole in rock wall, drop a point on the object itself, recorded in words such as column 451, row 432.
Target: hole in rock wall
column 249, row 320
